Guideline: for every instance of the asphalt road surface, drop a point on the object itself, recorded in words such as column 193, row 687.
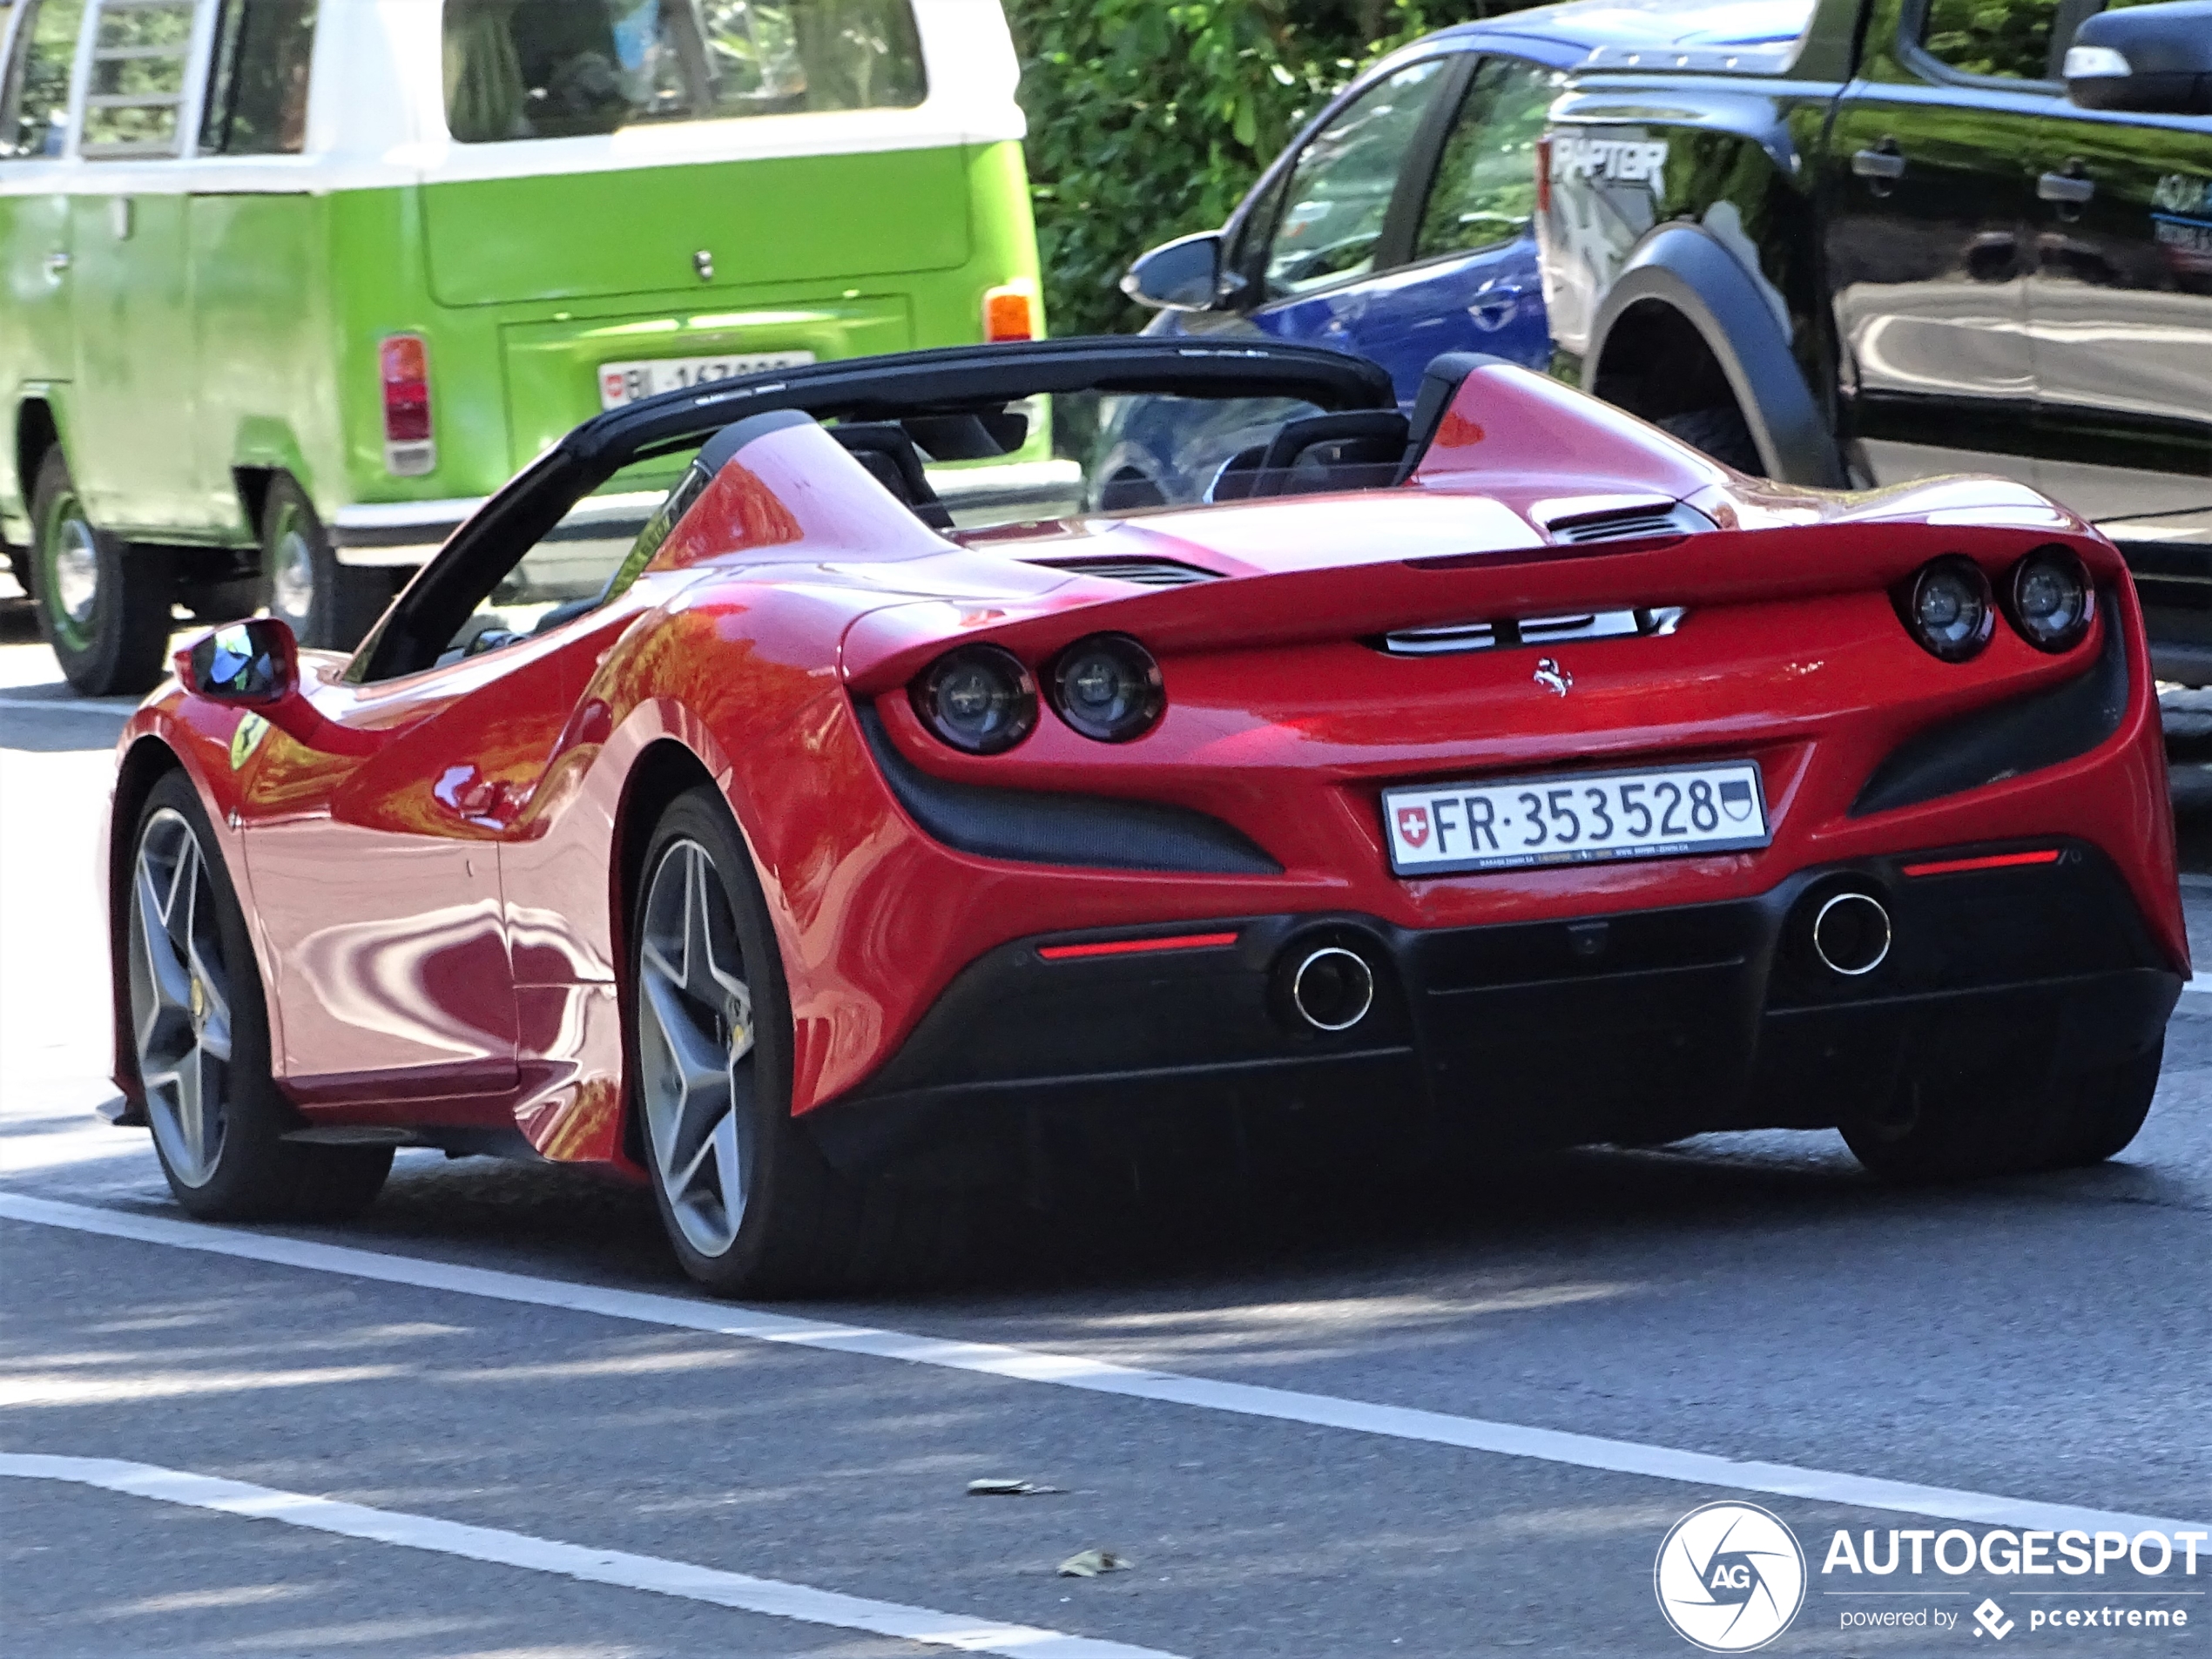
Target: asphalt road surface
column 1320, row 1417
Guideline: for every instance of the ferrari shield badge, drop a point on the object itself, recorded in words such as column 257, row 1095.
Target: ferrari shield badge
column 252, row 728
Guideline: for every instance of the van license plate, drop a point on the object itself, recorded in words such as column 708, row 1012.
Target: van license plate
column 621, row 383
column 1574, row 817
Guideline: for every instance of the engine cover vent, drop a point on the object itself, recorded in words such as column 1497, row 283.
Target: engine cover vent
column 1657, row 516
column 1147, row 573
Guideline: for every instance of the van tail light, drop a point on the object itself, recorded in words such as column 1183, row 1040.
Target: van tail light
column 1010, row 313
column 1544, row 173
column 404, row 366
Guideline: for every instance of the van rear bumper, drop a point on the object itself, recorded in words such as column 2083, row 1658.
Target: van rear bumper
column 404, row 534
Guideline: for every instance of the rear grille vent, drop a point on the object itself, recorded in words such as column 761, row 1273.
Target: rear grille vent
column 1622, row 524
column 1530, row 631
column 1147, row 573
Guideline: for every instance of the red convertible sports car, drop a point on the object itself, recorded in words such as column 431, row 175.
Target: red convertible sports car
column 1500, row 771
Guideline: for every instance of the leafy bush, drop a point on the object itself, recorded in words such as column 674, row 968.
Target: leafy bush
column 1148, row 119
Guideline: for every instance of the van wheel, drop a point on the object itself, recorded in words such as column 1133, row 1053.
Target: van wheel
column 330, row 606
column 102, row 606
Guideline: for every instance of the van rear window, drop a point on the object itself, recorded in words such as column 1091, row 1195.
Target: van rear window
column 558, row 69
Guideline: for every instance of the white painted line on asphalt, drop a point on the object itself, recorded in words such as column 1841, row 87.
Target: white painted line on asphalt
column 1094, row 1376
column 35, row 705
column 2198, row 982
column 771, row 1596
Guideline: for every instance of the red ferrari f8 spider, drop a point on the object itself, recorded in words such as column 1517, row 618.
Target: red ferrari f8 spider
column 1498, row 770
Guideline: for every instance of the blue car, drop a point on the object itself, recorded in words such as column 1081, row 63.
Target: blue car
column 1398, row 225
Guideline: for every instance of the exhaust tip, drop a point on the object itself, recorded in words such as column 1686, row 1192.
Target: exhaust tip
column 1332, row 988
column 1850, row 933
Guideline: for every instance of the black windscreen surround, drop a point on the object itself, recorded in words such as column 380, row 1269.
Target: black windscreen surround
column 2026, row 734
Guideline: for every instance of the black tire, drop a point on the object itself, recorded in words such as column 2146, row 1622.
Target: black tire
column 803, row 1228
column 1720, row 432
column 2106, row 1112
column 251, row 1173
column 1949, row 1129
column 102, row 606
column 330, row 606
column 1963, row 1128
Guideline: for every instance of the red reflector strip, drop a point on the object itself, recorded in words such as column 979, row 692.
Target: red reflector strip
column 1998, row 861
column 1129, row 947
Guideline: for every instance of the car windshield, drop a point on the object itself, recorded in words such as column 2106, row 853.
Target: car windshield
column 558, row 69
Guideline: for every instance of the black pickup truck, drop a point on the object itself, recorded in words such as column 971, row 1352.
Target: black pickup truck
column 1920, row 236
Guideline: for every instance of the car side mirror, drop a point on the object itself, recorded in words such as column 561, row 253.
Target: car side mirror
column 1181, row 275
column 256, row 660
column 2156, row 58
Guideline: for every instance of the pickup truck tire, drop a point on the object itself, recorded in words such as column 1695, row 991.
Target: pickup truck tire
column 103, row 605
column 330, row 606
column 1720, row 432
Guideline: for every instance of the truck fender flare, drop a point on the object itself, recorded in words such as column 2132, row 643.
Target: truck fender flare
column 1686, row 268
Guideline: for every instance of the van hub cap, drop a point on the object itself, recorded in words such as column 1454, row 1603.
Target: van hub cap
column 292, row 576
column 76, row 570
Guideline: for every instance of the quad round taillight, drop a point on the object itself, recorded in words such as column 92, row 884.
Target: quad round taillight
column 1949, row 608
column 979, row 698
column 2047, row 598
column 1108, row 687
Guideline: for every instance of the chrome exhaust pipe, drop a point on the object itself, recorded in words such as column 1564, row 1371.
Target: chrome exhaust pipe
column 1332, row 988
column 1850, row 933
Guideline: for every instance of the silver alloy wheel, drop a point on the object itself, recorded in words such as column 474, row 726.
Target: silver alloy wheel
column 291, row 577
column 180, row 1001
column 694, row 1040
column 76, row 570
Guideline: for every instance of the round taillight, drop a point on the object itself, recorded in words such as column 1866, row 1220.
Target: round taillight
column 980, row 698
column 1950, row 609
column 1108, row 687
column 2047, row 599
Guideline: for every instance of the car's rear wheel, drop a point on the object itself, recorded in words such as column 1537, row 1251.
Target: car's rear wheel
column 2105, row 1112
column 200, row 1034
column 330, row 606
column 749, row 1203
column 102, row 606
column 1967, row 1128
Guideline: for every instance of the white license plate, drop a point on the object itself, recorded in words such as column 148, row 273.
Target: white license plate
column 1577, row 818
column 621, row 383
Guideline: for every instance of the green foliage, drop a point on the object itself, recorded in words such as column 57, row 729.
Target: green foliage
column 1993, row 37
column 1150, row 118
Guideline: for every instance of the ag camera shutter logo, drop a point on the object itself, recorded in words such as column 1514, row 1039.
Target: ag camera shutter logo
column 1730, row 1577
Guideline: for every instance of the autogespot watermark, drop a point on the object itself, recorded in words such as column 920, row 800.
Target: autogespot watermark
column 1731, row 1577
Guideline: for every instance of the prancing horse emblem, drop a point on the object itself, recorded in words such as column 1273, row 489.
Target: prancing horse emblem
column 1552, row 677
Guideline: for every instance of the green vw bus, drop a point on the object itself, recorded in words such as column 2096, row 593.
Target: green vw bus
column 288, row 287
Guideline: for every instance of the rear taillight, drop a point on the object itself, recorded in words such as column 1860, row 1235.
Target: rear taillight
column 1010, row 313
column 1544, row 173
column 404, row 368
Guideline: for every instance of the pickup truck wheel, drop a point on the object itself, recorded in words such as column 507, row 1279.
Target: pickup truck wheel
column 1722, row 432
column 330, row 606
column 102, row 606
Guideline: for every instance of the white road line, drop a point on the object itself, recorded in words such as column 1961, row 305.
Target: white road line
column 651, row 1573
column 1096, row 1376
column 2198, row 982
column 31, row 704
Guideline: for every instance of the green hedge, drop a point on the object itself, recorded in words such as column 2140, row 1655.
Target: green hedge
column 1150, row 119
